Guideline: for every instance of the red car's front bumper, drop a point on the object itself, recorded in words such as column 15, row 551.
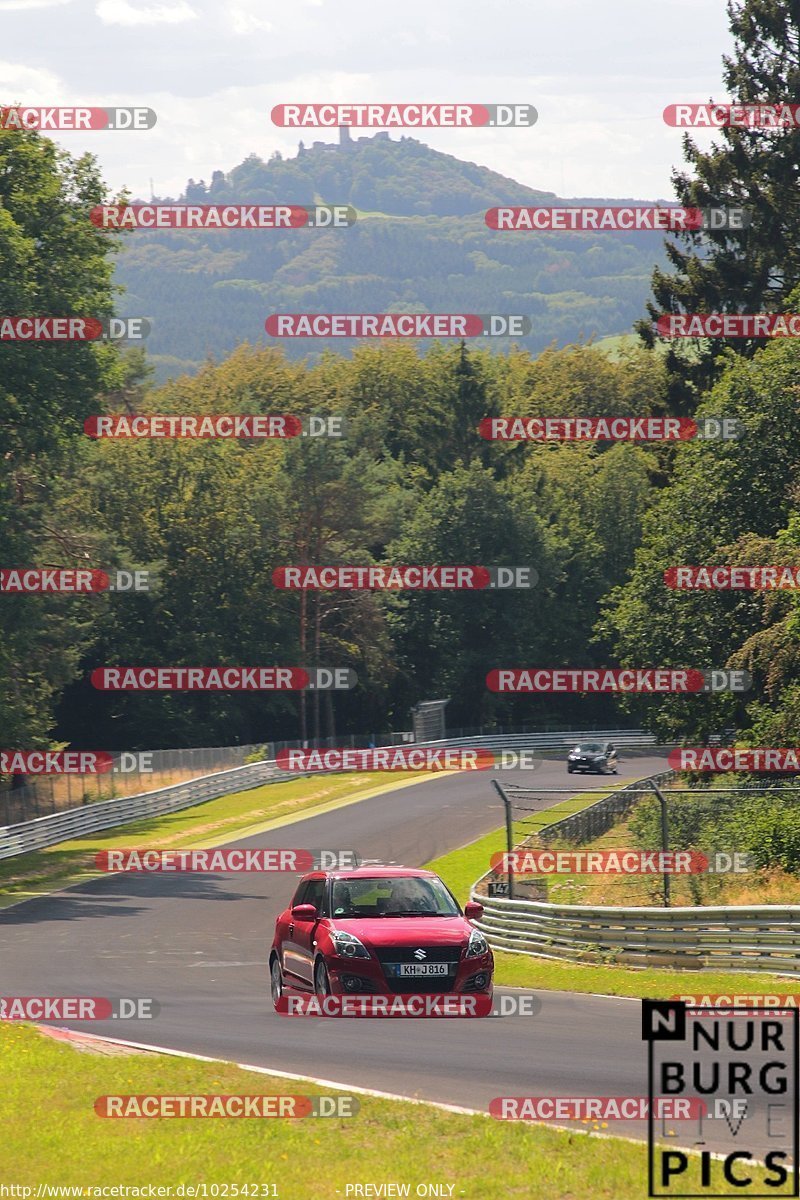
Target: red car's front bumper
column 368, row 976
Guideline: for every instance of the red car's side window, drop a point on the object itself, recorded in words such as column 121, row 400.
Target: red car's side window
column 315, row 895
column 310, row 891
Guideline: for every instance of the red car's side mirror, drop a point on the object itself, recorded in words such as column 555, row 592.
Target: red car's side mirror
column 304, row 912
column 473, row 911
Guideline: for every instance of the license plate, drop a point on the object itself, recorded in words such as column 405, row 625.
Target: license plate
column 422, row 969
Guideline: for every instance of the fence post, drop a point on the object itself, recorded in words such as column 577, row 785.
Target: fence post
column 509, row 834
column 664, row 837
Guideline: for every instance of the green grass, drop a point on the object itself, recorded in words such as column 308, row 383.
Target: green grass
column 208, row 824
column 617, row 345
column 51, row 1135
column 528, row 971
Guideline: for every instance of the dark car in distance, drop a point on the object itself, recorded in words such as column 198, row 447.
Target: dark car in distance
column 378, row 930
column 597, row 757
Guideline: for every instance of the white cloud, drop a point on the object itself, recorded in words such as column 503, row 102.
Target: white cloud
column 246, row 22
column 247, row 16
column 28, row 5
column 25, row 82
column 120, row 12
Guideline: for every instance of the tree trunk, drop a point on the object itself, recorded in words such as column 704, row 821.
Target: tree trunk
column 317, row 633
column 303, row 693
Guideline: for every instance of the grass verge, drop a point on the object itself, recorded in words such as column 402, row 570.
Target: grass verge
column 52, row 1136
column 523, row 970
column 208, row 824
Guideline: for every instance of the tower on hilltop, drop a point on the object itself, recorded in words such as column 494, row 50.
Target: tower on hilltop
column 344, row 136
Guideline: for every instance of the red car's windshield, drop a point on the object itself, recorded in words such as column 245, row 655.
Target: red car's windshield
column 404, row 896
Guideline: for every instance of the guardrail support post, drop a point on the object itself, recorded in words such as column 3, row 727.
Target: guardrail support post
column 509, row 834
column 664, row 837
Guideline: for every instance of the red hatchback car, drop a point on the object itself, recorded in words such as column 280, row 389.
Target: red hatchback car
column 379, row 930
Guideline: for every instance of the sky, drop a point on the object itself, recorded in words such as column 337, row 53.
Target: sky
column 599, row 72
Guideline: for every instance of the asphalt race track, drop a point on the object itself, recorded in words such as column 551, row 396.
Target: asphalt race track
column 198, row 944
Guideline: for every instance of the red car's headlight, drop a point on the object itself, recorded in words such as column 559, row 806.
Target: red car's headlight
column 478, row 945
column 348, row 945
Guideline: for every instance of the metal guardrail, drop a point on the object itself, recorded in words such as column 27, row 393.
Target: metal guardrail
column 760, row 937
column 42, row 795
column 548, row 741
column 107, row 814
column 753, row 938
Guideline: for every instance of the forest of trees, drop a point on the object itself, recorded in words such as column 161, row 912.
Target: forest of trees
column 411, row 482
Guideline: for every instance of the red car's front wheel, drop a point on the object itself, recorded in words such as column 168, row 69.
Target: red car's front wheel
column 322, row 983
column 276, row 981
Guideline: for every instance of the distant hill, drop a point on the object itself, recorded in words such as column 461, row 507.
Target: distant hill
column 420, row 244
column 405, row 178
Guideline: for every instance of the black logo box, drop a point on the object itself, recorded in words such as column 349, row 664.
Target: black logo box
column 666, row 1021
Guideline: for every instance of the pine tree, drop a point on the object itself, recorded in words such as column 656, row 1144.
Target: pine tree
column 757, row 169
column 472, row 404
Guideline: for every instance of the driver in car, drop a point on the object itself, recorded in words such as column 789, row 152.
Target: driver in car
column 407, row 896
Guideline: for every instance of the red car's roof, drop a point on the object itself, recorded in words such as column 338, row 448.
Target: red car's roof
column 373, row 873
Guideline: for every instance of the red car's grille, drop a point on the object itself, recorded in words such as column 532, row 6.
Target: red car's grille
column 393, row 956
column 408, row 954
